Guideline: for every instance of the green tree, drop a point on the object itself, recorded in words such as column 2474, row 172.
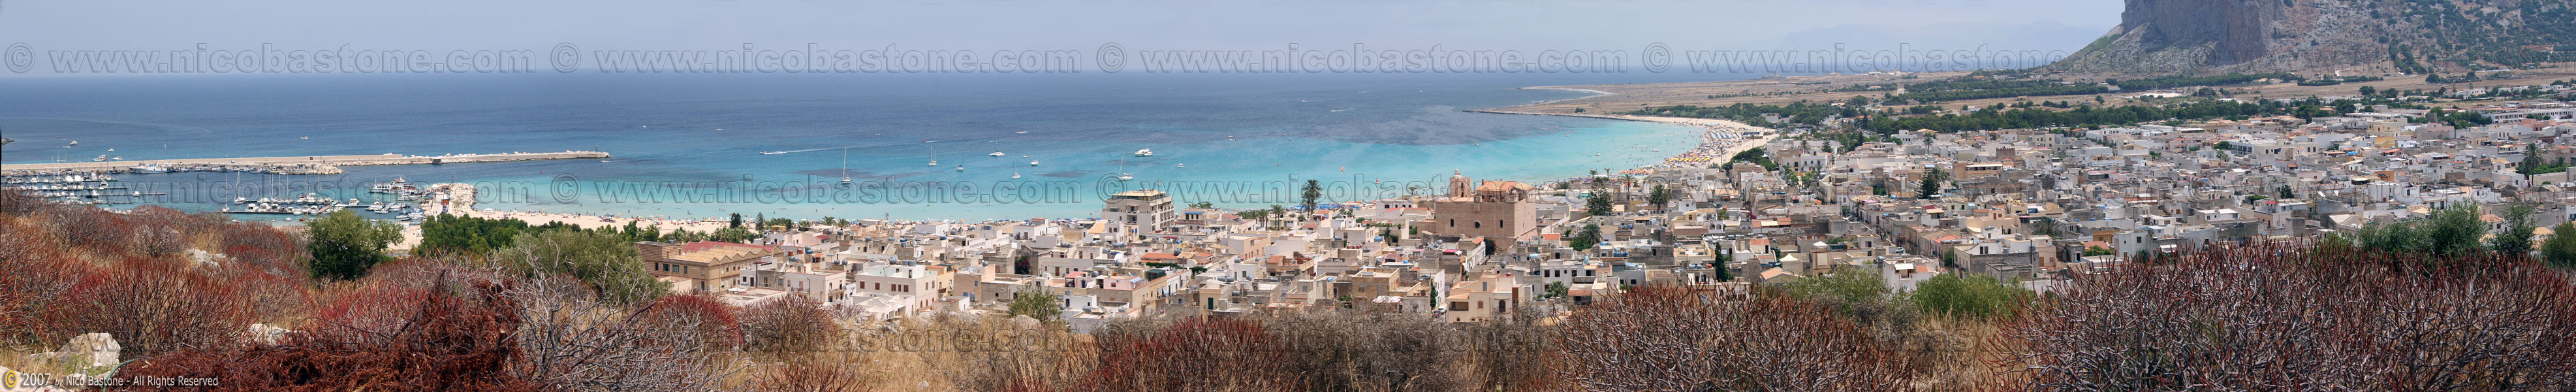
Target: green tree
column 1932, row 183
column 1660, row 196
column 345, row 246
column 1557, row 290
column 2516, row 239
column 2454, row 230
column 1845, row 287
column 604, row 260
column 1314, row 190
column 2286, row 193
column 1037, row 304
column 1203, row 205
column 1597, row 204
column 1968, row 296
column 2560, row 250
column 737, row 220
column 1591, row 235
column 2091, row 251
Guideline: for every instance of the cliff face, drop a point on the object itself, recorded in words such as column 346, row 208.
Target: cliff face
column 2231, row 28
column 2394, row 36
column 2197, row 36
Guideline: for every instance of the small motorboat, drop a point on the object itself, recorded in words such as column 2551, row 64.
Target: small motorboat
column 997, row 153
column 1145, row 152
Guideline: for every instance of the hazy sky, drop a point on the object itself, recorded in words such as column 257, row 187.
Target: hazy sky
column 54, row 25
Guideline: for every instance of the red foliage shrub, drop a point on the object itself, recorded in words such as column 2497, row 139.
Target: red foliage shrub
column 152, row 306
column 37, row 273
column 1200, row 354
column 2285, row 318
column 266, row 248
column 812, row 375
column 98, row 231
column 792, row 324
column 1660, row 338
column 693, row 318
column 455, row 338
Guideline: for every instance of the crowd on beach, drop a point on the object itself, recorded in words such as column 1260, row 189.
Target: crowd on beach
column 1719, row 143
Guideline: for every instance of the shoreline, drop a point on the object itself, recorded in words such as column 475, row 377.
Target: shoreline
column 1711, row 139
column 1719, row 140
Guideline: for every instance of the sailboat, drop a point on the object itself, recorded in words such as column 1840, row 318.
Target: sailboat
column 845, row 166
column 934, row 154
column 1015, row 174
column 1122, row 170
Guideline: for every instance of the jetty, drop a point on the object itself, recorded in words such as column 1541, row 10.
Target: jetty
column 319, row 164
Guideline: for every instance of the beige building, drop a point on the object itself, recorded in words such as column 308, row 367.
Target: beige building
column 703, row 266
column 1138, row 212
column 1498, row 209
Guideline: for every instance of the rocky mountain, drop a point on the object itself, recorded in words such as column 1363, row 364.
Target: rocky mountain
column 2366, row 36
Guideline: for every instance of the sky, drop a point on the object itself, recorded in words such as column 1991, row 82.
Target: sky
column 41, row 29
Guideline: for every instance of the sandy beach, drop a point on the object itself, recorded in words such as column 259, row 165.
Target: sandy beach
column 1719, row 139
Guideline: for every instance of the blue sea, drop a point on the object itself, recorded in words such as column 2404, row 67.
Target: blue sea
column 693, row 145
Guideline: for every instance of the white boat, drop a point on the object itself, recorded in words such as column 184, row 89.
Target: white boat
column 934, row 162
column 111, row 150
column 997, row 153
column 305, row 138
column 76, row 142
column 150, row 169
column 1180, row 165
column 1124, row 177
column 1145, row 152
column 1033, row 163
column 961, row 167
column 101, row 158
column 1015, row 174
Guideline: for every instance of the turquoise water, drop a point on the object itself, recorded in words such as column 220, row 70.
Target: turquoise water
column 691, row 145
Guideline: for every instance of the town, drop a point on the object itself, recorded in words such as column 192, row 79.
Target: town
column 2035, row 207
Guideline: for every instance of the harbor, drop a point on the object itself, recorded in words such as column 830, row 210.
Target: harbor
column 323, row 164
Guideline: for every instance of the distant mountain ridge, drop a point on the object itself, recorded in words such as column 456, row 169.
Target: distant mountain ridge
column 2393, row 36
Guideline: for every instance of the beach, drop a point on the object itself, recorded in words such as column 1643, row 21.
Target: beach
column 1720, row 139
